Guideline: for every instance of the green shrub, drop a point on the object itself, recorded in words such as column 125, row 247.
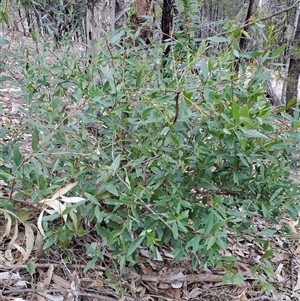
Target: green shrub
column 181, row 156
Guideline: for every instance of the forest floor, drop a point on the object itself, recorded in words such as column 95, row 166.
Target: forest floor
column 58, row 274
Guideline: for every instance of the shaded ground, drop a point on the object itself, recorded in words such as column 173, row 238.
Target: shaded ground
column 28, row 273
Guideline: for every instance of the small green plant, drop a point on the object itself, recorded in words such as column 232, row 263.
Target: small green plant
column 180, row 158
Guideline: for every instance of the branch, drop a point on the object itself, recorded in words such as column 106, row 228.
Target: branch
column 273, row 15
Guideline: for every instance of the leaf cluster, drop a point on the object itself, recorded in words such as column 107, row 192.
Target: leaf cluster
column 182, row 153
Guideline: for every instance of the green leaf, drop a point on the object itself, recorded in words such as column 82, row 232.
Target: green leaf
column 103, row 232
column 3, row 41
column 204, row 68
column 216, row 227
column 115, row 165
column 49, row 242
column 33, row 36
column 165, row 131
column 251, row 54
column 135, row 244
column 245, row 34
column 99, row 214
column 210, row 242
column 17, row 156
column 144, row 150
column 221, row 243
column 267, row 232
column 237, row 32
column 4, row 16
column 236, row 53
column 4, row 78
column 265, row 57
column 112, row 189
column 265, row 211
column 209, row 223
column 91, row 264
column 275, row 194
column 30, row 267
column 3, row 132
column 35, row 139
column 203, row 183
column 253, row 133
column 107, row 72
column 91, row 198
column 175, row 230
column 139, row 79
column 194, row 242
column 229, row 258
column 290, row 103
column 278, row 51
column 216, row 39
column 116, row 37
column 291, row 211
column 235, row 112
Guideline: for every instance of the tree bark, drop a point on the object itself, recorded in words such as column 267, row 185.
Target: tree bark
column 167, row 24
column 293, row 64
column 292, row 82
column 100, row 18
column 143, row 8
column 243, row 38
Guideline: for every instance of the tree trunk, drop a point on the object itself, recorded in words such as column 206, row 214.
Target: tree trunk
column 243, row 38
column 100, row 18
column 142, row 9
column 293, row 64
column 167, row 26
column 292, row 82
column 167, row 19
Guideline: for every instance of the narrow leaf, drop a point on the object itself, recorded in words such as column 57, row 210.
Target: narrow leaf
column 205, row 184
column 115, row 165
column 253, row 133
column 217, row 39
column 278, row 51
column 139, row 79
column 235, row 112
column 35, row 139
column 112, row 189
column 17, row 157
column 135, row 244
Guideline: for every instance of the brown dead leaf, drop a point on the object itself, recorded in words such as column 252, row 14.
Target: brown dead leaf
column 41, row 296
column 29, row 236
column 49, row 275
column 60, row 282
column 38, row 245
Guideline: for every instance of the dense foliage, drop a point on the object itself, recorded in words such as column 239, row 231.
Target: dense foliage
column 180, row 151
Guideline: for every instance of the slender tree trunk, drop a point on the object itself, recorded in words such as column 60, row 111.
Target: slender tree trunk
column 142, row 9
column 292, row 82
column 167, row 28
column 243, row 39
column 167, row 20
column 167, row 24
column 293, row 64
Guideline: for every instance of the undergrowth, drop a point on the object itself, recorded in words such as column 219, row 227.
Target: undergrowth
column 151, row 152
